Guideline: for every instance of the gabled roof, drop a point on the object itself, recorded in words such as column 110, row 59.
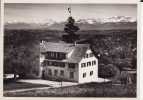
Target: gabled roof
column 78, row 50
column 78, row 53
column 56, row 47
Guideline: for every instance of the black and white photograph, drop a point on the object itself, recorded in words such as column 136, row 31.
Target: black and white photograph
column 70, row 50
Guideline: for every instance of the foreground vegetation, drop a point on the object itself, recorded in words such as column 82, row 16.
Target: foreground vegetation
column 82, row 90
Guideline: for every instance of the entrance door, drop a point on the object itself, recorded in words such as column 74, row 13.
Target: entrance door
column 71, row 75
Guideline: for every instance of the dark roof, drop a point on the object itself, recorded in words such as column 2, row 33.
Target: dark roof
column 78, row 53
column 78, row 50
column 56, row 47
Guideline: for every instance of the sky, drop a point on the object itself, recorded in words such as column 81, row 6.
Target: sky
column 40, row 13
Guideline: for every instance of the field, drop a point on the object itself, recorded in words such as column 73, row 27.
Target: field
column 82, row 90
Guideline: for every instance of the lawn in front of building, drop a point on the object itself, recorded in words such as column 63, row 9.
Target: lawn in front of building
column 14, row 85
column 81, row 90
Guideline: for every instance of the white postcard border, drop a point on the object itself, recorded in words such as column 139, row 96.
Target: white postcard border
column 139, row 48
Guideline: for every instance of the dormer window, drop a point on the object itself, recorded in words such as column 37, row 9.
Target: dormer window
column 91, row 55
column 55, row 55
column 88, row 55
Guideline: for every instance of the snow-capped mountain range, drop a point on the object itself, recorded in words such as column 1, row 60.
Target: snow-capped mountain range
column 84, row 24
column 114, row 19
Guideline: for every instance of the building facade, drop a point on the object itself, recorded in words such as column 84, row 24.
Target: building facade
column 68, row 62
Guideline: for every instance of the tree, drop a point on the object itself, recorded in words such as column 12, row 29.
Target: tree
column 21, row 54
column 70, row 28
column 107, row 71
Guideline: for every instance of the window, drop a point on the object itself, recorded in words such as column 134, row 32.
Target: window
column 47, row 55
column 94, row 62
column 91, row 54
column 55, row 72
column 49, row 63
column 50, row 72
column 71, row 74
column 83, row 65
column 56, row 55
column 62, row 55
column 88, row 63
column 52, row 54
column 54, row 63
column 61, row 64
column 86, row 55
column 91, row 73
column 44, row 63
column 71, row 65
column 62, row 73
column 84, row 75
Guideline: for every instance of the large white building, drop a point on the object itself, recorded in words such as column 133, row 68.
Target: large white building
column 71, row 62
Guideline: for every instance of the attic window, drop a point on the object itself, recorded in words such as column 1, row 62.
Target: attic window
column 91, row 54
column 83, row 65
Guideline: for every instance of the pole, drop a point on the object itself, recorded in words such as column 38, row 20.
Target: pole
column 104, row 87
column 69, row 8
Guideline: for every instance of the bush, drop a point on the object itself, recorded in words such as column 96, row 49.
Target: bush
column 107, row 71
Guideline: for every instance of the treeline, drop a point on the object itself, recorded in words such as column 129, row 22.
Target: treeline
column 21, row 53
column 116, row 52
column 112, row 47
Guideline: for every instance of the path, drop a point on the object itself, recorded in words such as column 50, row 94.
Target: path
column 51, row 84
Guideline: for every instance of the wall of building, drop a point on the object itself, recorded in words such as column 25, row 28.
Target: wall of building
column 65, row 77
column 87, row 69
